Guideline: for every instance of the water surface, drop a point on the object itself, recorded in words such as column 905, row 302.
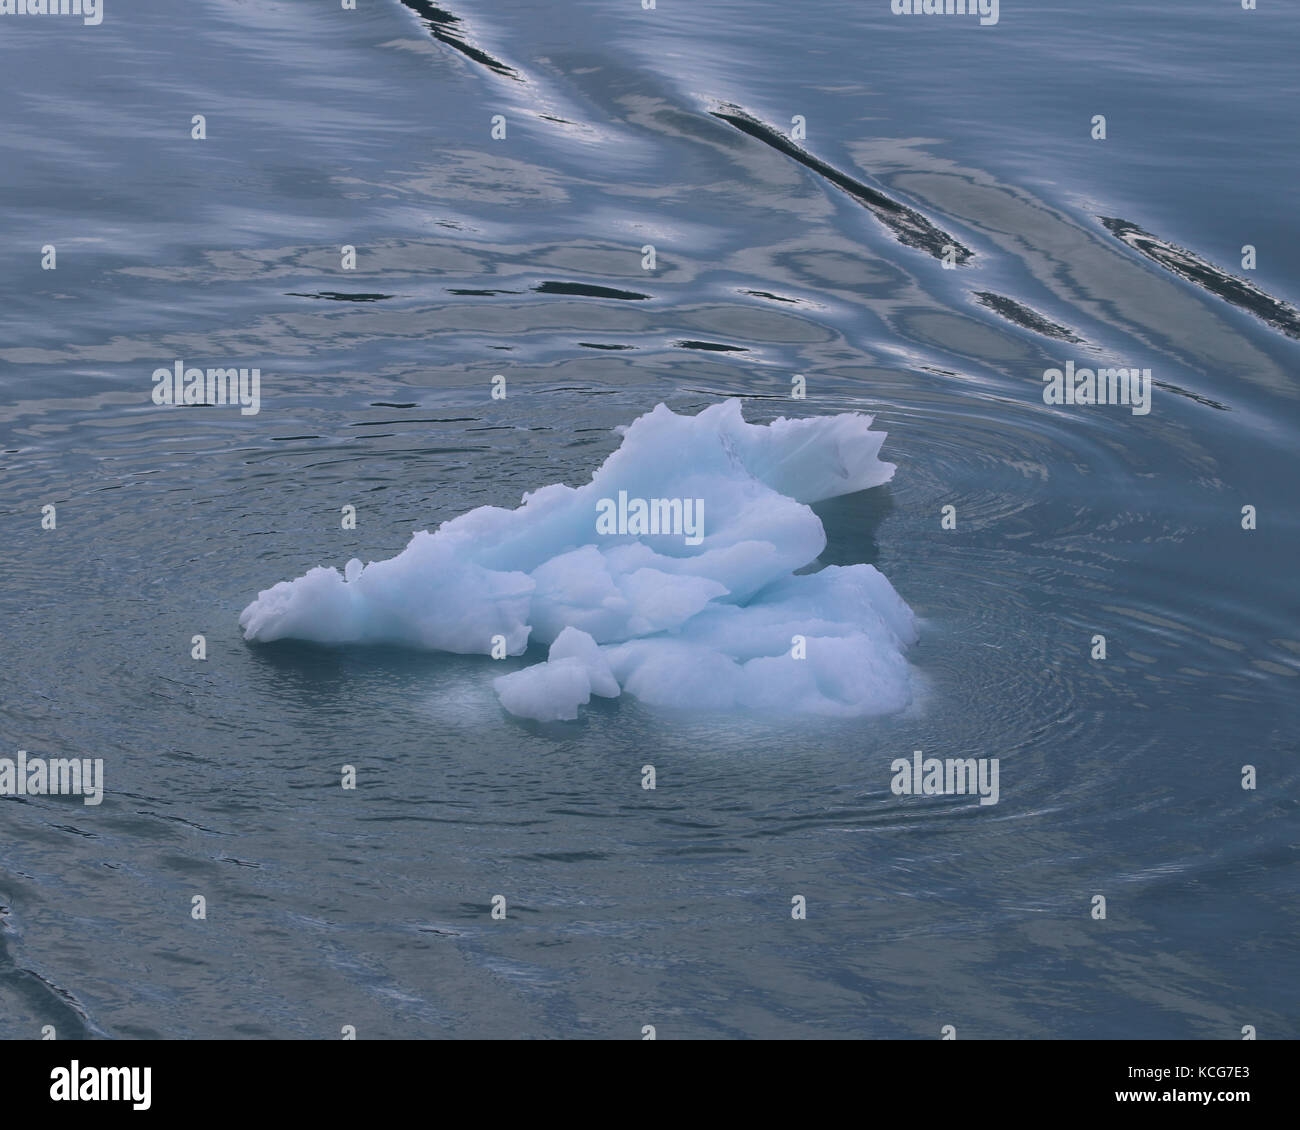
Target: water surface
column 822, row 257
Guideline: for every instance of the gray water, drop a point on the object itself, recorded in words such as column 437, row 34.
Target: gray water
column 821, row 257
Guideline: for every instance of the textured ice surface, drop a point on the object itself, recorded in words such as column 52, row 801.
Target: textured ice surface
column 724, row 624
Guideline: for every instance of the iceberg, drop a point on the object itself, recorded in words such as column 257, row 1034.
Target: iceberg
column 671, row 576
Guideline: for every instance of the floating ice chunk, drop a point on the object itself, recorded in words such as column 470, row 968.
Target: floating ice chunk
column 547, row 692
column 820, row 643
column 670, row 575
column 576, row 645
column 552, row 691
column 428, row 596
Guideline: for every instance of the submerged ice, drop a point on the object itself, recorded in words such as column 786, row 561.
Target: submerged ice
column 670, row 576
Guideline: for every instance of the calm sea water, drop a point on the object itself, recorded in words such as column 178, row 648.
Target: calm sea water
column 522, row 256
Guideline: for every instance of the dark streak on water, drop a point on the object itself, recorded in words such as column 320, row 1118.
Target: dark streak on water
column 586, row 290
column 909, row 225
column 710, row 346
column 335, row 296
column 445, row 28
column 1022, row 315
column 1190, row 266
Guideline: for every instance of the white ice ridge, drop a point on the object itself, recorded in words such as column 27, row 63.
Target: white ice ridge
column 711, row 625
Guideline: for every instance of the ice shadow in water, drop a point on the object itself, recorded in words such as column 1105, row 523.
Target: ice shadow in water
column 851, row 522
